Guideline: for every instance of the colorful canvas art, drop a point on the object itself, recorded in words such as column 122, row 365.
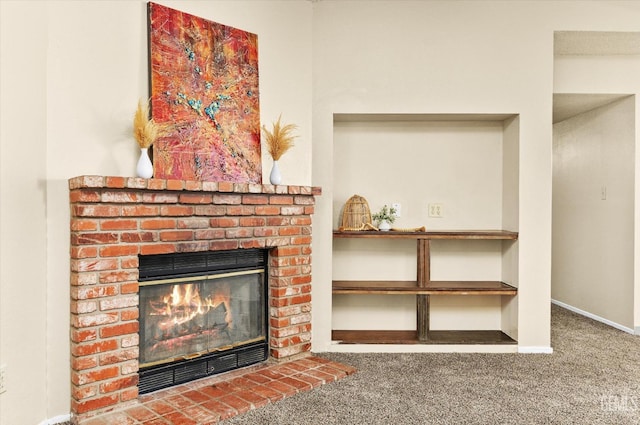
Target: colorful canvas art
column 204, row 89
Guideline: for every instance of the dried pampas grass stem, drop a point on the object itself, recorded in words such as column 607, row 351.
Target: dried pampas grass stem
column 145, row 130
column 280, row 140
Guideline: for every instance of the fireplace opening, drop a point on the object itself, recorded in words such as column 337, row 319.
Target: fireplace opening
column 201, row 314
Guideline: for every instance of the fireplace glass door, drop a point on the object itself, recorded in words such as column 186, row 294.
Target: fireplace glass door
column 201, row 314
column 188, row 317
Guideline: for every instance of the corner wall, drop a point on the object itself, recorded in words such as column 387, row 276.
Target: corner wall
column 426, row 62
column 451, row 57
column 593, row 212
column 23, row 196
column 70, row 87
column 606, row 74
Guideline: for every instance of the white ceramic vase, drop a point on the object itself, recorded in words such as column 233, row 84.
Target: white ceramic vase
column 384, row 226
column 275, row 177
column 145, row 167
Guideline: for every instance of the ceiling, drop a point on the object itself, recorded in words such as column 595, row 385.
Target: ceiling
column 590, row 43
column 604, row 43
column 567, row 105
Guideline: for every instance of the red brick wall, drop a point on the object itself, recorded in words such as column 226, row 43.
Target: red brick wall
column 115, row 219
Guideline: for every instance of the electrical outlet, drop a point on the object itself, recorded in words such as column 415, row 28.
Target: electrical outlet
column 435, row 210
column 396, row 206
column 3, row 376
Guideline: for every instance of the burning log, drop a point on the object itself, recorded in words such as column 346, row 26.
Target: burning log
column 218, row 317
column 187, row 318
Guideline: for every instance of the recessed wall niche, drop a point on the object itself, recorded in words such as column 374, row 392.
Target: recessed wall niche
column 468, row 163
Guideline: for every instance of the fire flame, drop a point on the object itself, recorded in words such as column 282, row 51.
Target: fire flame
column 184, row 303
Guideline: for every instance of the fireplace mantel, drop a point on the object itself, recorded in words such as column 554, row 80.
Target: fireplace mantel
column 167, row 185
column 116, row 219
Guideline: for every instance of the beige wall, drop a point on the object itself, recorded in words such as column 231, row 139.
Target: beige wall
column 457, row 163
column 593, row 238
column 23, row 229
column 426, row 63
column 70, row 84
column 433, row 57
column 616, row 296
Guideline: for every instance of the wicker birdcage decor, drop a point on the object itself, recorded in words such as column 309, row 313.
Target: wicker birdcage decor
column 356, row 214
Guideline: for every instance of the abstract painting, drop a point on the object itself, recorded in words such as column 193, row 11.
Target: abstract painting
column 204, row 92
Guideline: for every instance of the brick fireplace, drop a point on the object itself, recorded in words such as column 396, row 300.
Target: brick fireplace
column 114, row 220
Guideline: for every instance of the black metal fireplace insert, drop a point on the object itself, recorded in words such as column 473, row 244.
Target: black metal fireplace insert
column 201, row 314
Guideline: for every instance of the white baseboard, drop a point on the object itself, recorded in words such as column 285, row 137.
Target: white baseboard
column 336, row 347
column 57, row 420
column 597, row 318
column 535, row 350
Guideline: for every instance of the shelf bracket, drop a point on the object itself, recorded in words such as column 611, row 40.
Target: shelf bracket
column 422, row 301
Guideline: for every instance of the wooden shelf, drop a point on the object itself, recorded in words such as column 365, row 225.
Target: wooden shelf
column 423, row 288
column 400, row 287
column 469, row 337
column 374, row 337
column 432, row 234
column 411, row 337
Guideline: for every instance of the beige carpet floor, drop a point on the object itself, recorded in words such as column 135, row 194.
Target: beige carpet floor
column 593, row 377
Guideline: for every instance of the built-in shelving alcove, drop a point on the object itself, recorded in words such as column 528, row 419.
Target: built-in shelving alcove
column 469, row 165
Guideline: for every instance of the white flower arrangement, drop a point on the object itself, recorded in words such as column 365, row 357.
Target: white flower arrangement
column 386, row 213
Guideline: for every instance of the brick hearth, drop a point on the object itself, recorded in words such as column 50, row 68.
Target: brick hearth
column 115, row 219
column 211, row 400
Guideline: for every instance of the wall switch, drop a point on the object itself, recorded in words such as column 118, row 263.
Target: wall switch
column 3, row 370
column 603, row 193
column 435, row 210
column 396, row 206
